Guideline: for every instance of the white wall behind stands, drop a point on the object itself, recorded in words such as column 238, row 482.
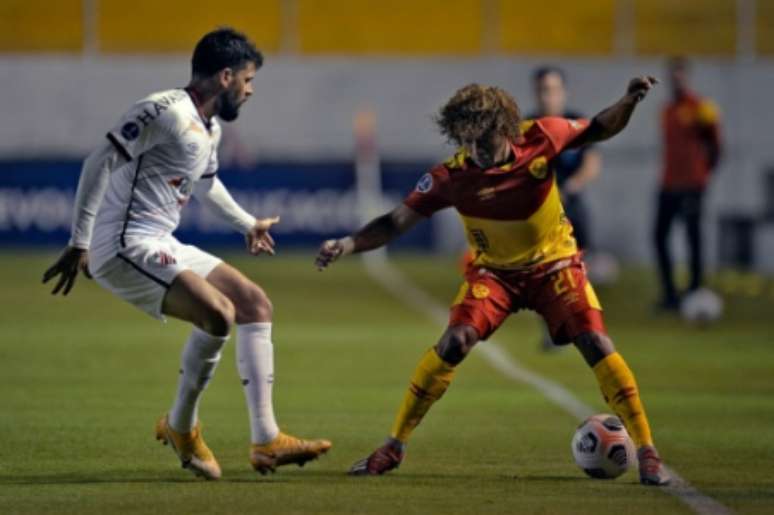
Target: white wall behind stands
column 303, row 110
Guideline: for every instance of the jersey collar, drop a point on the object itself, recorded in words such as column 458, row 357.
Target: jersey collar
column 196, row 100
column 462, row 161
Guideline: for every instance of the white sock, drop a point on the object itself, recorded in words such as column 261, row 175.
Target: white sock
column 255, row 363
column 197, row 365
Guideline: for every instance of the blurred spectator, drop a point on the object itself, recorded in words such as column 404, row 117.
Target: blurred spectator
column 575, row 168
column 691, row 137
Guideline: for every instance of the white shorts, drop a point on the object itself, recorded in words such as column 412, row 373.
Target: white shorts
column 142, row 272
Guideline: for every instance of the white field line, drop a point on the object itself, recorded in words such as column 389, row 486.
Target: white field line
column 392, row 280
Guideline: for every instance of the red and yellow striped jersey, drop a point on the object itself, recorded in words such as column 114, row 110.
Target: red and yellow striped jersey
column 513, row 214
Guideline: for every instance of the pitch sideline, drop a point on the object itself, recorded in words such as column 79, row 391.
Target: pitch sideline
column 386, row 275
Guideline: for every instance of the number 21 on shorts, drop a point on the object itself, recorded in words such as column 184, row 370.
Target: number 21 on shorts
column 564, row 281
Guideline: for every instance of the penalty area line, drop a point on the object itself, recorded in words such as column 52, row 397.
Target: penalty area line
column 380, row 270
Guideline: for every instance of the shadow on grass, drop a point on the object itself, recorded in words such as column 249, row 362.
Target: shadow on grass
column 119, row 478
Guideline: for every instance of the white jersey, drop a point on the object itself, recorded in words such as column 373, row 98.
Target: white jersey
column 168, row 147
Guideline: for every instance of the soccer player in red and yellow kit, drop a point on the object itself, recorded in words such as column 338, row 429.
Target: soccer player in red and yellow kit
column 502, row 184
column 692, row 148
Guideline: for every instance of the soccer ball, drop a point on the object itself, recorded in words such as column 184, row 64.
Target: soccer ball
column 602, row 447
column 701, row 306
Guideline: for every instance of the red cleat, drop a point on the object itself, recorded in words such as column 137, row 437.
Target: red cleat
column 652, row 471
column 383, row 459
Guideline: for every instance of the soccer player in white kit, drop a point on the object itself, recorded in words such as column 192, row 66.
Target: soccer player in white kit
column 130, row 195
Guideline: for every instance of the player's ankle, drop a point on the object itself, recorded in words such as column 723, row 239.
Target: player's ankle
column 395, row 444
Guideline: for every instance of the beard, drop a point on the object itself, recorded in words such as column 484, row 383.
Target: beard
column 229, row 106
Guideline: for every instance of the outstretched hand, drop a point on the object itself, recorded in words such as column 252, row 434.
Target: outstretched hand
column 331, row 250
column 640, row 86
column 258, row 239
column 67, row 266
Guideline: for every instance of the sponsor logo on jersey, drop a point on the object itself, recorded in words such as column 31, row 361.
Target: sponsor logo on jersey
column 479, row 236
column 130, row 131
column 151, row 112
column 538, row 167
column 425, row 183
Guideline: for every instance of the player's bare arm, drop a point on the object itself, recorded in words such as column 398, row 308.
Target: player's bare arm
column 609, row 122
column 92, row 185
column 377, row 233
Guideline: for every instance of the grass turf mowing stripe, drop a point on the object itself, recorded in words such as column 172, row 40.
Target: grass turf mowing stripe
column 392, row 280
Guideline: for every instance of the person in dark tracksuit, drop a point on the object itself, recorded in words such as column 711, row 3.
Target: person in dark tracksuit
column 575, row 168
column 692, row 147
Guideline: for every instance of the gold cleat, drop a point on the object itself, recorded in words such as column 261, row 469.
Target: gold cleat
column 285, row 449
column 190, row 448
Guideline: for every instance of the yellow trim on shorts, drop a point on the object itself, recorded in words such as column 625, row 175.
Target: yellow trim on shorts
column 591, row 296
column 461, row 294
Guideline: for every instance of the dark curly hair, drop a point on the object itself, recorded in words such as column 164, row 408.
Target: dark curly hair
column 223, row 48
column 475, row 111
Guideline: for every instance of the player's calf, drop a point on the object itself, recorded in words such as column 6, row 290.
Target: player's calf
column 218, row 317
column 619, row 389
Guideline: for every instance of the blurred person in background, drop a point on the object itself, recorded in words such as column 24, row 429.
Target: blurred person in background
column 574, row 168
column 692, row 148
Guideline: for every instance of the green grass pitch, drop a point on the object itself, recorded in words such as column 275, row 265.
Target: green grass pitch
column 83, row 379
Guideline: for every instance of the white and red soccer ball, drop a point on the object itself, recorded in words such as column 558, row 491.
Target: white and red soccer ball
column 602, row 448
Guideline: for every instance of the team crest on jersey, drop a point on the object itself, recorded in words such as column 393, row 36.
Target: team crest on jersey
column 425, row 183
column 575, row 124
column 538, row 167
column 480, row 291
column 130, row 131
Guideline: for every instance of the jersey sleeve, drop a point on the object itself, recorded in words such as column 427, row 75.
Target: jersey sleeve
column 144, row 126
column 431, row 193
column 561, row 131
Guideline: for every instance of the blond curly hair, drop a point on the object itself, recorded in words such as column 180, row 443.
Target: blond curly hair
column 475, row 111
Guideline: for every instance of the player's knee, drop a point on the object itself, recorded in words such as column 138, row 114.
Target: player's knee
column 219, row 317
column 594, row 346
column 254, row 305
column 456, row 343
